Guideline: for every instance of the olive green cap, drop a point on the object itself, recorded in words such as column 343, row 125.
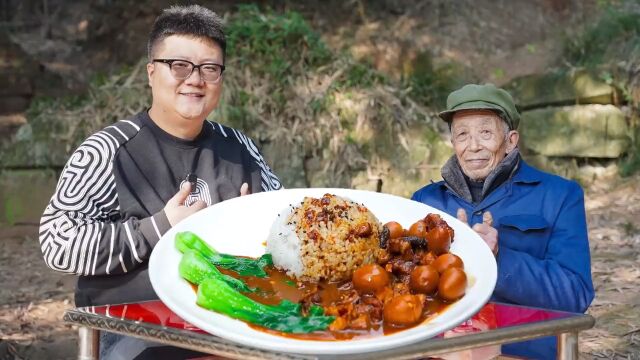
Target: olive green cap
column 488, row 96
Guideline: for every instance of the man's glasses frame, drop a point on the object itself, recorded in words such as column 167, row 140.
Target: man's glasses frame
column 205, row 75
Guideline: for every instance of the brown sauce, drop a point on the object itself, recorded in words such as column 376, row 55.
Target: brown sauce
column 277, row 286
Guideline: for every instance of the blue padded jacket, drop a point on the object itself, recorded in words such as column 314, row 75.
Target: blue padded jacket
column 543, row 258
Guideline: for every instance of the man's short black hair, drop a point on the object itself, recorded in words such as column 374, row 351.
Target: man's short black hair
column 193, row 20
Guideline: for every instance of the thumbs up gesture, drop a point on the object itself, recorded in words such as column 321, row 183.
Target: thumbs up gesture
column 176, row 209
column 486, row 230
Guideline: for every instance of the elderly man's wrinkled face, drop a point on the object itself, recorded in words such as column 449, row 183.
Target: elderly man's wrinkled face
column 480, row 141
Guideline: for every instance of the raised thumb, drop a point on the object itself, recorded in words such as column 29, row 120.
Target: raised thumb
column 462, row 216
column 181, row 196
column 487, row 218
column 244, row 189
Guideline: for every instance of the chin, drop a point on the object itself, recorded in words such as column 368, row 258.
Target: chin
column 191, row 116
column 477, row 175
column 190, row 111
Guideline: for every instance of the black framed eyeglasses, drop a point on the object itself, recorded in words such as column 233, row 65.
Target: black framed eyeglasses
column 182, row 69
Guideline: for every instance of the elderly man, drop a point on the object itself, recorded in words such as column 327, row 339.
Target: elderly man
column 533, row 222
column 128, row 184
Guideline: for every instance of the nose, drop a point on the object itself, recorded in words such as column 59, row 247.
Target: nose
column 474, row 143
column 194, row 78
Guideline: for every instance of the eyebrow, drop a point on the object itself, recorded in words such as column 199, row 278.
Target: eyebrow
column 178, row 57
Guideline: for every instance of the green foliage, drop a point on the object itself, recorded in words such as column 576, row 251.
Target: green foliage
column 629, row 228
column 272, row 43
column 430, row 84
column 616, row 35
column 631, row 163
column 272, row 49
column 531, row 48
column 318, row 105
column 361, row 75
column 9, row 212
column 58, row 125
column 612, row 45
column 322, row 116
column 42, row 103
column 281, row 46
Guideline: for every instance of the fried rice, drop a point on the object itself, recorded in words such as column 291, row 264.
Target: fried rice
column 324, row 238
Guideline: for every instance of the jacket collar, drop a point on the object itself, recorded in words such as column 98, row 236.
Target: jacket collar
column 524, row 174
column 456, row 181
column 527, row 174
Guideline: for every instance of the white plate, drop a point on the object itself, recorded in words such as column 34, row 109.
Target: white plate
column 240, row 227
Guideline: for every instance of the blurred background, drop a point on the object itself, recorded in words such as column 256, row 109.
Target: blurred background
column 339, row 94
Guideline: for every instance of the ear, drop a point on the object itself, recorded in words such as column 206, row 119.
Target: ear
column 512, row 140
column 150, row 69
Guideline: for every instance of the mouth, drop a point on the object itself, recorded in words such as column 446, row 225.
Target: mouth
column 476, row 162
column 192, row 95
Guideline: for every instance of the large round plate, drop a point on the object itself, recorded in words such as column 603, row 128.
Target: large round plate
column 240, row 227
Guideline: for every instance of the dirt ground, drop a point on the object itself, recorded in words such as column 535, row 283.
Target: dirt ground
column 614, row 233
column 33, row 298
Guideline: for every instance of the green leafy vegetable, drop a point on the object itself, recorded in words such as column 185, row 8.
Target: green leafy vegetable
column 243, row 266
column 215, row 294
column 222, row 293
column 195, row 268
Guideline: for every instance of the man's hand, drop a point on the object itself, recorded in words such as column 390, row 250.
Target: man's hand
column 176, row 210
column 244, row 189
column 462, row 216
column 486, row 230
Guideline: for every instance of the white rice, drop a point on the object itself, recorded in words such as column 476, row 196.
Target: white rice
column 284, row 244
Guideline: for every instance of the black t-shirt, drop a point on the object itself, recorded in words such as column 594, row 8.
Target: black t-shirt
column 107, row 212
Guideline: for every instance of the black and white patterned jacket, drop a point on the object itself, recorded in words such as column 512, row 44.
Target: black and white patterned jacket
column 106, row 214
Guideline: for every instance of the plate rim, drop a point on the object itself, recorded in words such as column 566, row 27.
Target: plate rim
column 292, row 345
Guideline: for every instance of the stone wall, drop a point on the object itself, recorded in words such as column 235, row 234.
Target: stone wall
column 572, row 123
column 16, row 88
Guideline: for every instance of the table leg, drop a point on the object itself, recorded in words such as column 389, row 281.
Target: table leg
column 88, row 343
column 568, row 346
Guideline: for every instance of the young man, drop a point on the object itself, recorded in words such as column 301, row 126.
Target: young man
column 128, row 184
column 534, row 222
